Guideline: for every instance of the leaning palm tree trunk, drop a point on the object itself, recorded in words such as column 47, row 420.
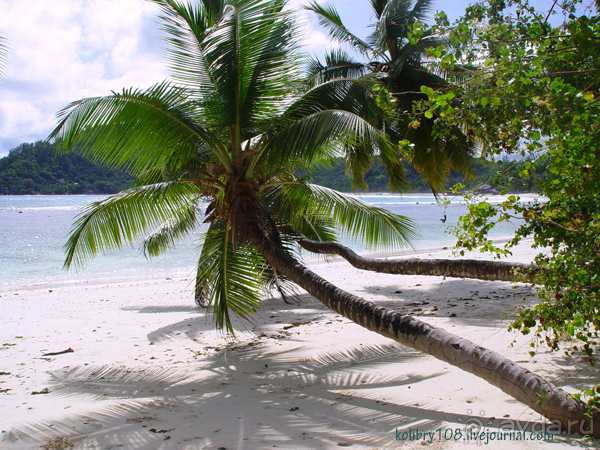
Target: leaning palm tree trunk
column 503, row 373
column 459, row 268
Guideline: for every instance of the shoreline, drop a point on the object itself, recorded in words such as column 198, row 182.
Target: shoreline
column 187, row 272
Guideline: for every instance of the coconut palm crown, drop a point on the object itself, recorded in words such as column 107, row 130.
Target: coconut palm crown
column 402, row 65
column 223, row 143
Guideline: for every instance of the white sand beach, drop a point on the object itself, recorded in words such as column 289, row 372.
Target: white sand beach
column 144, row 369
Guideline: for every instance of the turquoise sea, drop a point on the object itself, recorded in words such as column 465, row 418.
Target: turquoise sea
column 33, row 230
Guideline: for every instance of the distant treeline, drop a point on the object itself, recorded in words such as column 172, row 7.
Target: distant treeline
column 500, row 175
column 34, row 169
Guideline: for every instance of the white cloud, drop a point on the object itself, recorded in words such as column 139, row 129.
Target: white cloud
column 65, row 50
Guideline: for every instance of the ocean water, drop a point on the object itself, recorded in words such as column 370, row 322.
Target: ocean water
column 34, row 229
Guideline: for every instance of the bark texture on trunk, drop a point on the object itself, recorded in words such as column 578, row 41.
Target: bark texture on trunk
column 523, row 385
column 458, row 268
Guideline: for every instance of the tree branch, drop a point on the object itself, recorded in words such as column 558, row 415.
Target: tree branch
column 540, row 219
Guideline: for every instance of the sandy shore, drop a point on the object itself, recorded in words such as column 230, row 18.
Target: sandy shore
column 144, row 369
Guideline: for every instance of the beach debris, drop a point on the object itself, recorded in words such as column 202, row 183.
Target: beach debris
column 58, row 443
column 69, row 350
column 5, row 391
column 294, row 408
column 5, row 373
column 141, row 419
column 154, row 430
column 43, row 391
column 295, row 324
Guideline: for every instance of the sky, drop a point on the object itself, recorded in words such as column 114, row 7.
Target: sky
column 66, row 50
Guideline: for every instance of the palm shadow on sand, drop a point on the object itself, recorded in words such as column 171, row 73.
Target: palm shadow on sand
column 233, row 398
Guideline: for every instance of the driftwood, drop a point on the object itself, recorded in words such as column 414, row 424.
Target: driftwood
column 69, row 350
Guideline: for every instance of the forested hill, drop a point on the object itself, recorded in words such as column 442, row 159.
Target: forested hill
column 500, row 175
column 33, row 169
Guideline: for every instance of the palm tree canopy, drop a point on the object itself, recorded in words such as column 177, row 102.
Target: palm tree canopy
column 223, row 143
column 402, row 66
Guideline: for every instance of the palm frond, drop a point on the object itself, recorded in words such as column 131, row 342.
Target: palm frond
column 186, row 26
column 338, row 64
column 330, row 132
column 316, row 227
column 288, row 213
column 271, row 70
column 124, row 218
column 373, row 226
column 378, row 7
column 229, row 281
column 172, row 230
column 305, row 125
column 330, row 19
column 397, row 15
column 346, row 94
column 135, row 130
column 251, row 54
column 433, row 158
column 199, row 285
column 408, row 62
column 393, row 24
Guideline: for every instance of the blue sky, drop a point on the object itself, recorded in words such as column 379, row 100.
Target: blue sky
column 65, row 50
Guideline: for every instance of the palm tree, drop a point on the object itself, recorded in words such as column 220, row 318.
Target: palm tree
column 225, row 146
column 399, row 63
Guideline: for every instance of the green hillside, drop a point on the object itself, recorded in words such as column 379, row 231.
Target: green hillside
column 33, row 169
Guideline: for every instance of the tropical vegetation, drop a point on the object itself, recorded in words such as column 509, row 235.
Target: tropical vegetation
column 533, row 89
column 396, row 53
column 224, row 146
